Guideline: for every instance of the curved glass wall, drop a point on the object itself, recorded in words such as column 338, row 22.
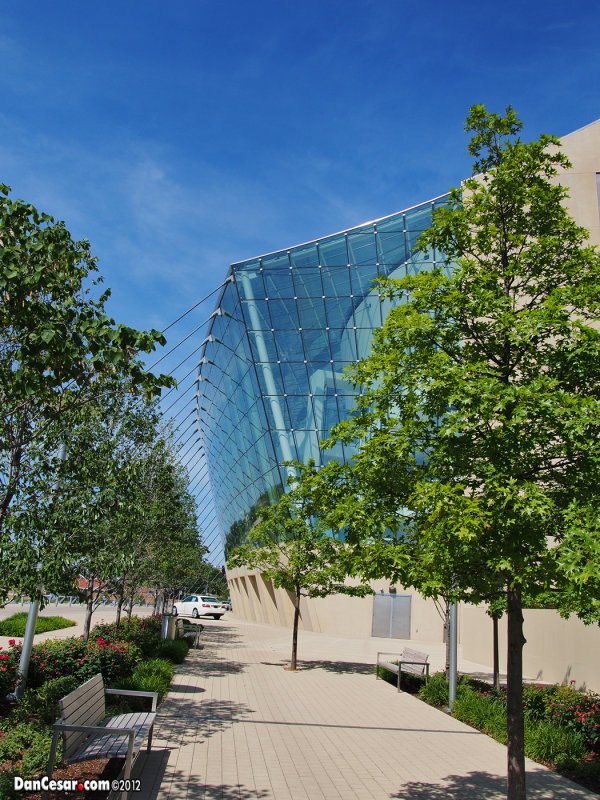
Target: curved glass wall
column 270, row 382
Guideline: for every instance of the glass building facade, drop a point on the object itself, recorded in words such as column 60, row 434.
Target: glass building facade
column 271, row 377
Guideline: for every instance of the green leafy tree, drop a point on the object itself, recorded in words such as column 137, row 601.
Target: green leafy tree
column 56, row 345
column 291, row 546
column 478, row 429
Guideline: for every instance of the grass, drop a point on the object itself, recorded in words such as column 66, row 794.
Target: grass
column 15, row 625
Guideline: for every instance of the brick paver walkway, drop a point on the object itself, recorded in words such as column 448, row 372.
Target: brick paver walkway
column 236, row 726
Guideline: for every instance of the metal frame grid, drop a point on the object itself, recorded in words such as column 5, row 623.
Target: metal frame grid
column 271, row 378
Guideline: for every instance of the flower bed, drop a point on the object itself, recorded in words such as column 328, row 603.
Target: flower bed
column 562, row 724
column 125, row 658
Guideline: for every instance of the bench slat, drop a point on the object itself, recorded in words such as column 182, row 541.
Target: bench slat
column 114, row 745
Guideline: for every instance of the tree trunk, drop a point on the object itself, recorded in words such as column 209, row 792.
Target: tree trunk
column 156, row 602
column 130, row 607
column 496, row 675
column 293, row 661
column 89, row 610
column 514, row 697
column 120, row 599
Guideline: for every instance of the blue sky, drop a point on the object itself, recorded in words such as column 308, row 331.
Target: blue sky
column 179, row 137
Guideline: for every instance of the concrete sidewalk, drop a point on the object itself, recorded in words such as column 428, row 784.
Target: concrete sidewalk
column 236, row 725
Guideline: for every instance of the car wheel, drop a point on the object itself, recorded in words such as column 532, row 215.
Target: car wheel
column 195, row 613
column 174, row 611
column 217, row 616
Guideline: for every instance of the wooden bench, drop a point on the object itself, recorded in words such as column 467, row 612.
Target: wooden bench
column 87, row 732
column 188, row 630
column 411, row 661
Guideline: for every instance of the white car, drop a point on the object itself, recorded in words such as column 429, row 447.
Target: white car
column 196, row 605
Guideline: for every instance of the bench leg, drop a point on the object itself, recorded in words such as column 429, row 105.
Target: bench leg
column 128, row 763
column 52, row 758
column 399, row 675
column 150, row 732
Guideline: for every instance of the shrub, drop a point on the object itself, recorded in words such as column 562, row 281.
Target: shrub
column 45, row 699
column 552, row 744
column 58, row 657
column 154, row 675
column 578, row 712
column 437, row 691
column 536, row 700
column 9, row 670
column 175, row 650
column 144, row 632
column 485, row 712
column 15, row 625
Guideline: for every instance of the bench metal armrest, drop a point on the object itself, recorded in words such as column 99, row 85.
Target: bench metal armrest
column 136, row 693
column 68, row 726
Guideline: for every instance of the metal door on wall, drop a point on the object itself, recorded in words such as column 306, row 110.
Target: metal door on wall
column 391, row 616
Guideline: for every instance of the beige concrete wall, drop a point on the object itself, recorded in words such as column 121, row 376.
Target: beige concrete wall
column 254, row 598
column 583, row 150
column 557, row 650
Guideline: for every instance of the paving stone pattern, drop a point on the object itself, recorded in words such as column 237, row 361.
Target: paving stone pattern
column 236, row 725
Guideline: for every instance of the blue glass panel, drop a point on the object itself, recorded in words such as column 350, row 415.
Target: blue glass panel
column 294, row 378
column 278, row 283
column 391, row 249
column 393, row 223
column 305, row 256
column 270, row 379
column 342, row 385
column 330, row 412
column 307, row 446
column 367, row 312
column 320, row 378
column 263, row 346
column 250, row 284
column 281, row 453
column 343, row 348
column 311, row 313
column 229, row 300
column 307, row 282
column 338, row 311
column 284, row 314
column 279, row 260
column 289, row 346
column 316, row 345
column 300, row 409
column 336, row 282
column 361, row 248
column 411, row 244
column 277, row 413
column 332, row 252
column 419, row 218
column 243, row 265
column 256, row 315
column 362, row 279
column 345, row 405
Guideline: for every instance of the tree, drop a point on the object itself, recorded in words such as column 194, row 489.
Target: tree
column 478, row 429
column 56, row 345
column 294, row 549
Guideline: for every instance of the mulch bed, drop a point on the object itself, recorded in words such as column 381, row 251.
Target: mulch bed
column 98, row 769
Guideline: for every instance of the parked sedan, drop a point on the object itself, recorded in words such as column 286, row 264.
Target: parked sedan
column 196, row 605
